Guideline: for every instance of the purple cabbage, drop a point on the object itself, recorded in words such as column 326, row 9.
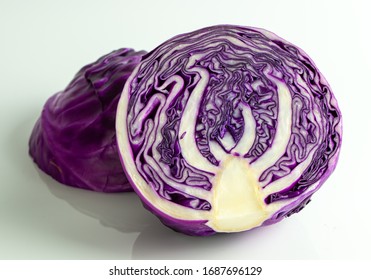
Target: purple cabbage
column 226, row 129
column 74, row 140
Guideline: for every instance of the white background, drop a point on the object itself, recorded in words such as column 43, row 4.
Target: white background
column 44, row 43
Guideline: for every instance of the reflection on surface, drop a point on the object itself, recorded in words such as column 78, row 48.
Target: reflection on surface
column 261, row 243
column 125, row 213
column 122, row 211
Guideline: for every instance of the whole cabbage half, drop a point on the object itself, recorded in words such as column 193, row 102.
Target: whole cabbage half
column 227, row 128
column 74, row 140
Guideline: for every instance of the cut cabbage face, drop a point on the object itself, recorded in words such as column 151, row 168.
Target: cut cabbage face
column 227, row 128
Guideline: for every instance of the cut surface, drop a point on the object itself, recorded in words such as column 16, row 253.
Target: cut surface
column 227, row 127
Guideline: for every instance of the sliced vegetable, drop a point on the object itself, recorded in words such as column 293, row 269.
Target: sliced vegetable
column 227, row 128
column 74, row 141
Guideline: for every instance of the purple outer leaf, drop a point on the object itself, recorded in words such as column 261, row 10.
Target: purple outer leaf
column 74, row 140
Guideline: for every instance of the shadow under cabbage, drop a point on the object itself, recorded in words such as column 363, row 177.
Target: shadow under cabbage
column 121, row 211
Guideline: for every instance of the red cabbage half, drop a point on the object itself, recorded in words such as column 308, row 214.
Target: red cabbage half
column 74, row 140
column 227, row 128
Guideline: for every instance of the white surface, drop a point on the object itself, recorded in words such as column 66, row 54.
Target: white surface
column 44, row 43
